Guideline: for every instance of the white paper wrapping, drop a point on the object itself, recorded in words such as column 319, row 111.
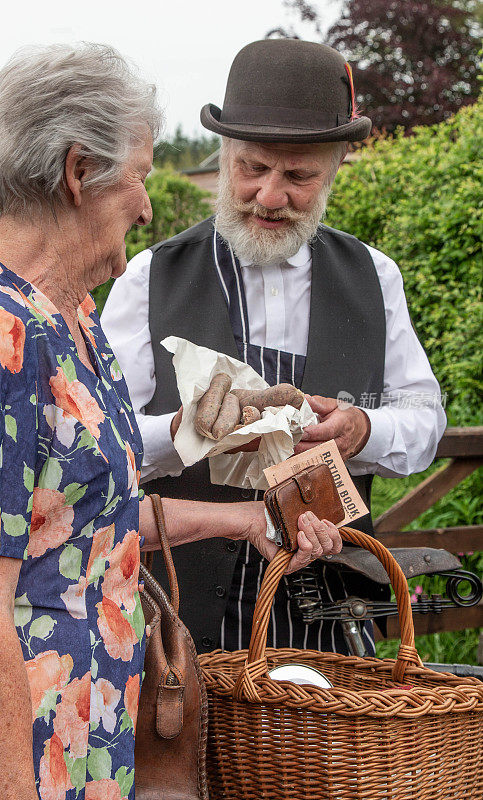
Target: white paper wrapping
column 280, row 429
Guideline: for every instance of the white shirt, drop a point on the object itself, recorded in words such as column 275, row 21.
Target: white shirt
column 405, row 430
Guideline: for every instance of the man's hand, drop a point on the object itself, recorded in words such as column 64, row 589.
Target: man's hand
column 349, row 427
column 175, row 423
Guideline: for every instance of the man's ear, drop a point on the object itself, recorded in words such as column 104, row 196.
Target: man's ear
column 74, row 173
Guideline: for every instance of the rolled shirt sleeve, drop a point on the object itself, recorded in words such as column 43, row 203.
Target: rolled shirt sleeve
column 406, row 428
column 125, row 320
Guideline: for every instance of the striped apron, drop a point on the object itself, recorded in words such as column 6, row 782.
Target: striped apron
column 285, row 629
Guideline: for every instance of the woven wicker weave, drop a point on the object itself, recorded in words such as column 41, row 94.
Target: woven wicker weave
column 367, row 738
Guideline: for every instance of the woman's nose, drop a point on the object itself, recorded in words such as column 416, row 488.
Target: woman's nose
column 147, row 213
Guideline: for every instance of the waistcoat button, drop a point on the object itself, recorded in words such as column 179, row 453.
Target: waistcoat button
column 220, row 592
column 231, row 547
column 206, row 641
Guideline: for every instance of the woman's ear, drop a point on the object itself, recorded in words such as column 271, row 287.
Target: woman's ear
column 74, row 173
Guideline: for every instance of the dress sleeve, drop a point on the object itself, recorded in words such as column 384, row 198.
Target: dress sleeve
column 18, row 436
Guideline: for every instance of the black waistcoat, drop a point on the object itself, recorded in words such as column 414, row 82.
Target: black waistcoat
column 345, row 353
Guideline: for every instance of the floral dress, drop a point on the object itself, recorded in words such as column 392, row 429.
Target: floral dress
column 70, row 453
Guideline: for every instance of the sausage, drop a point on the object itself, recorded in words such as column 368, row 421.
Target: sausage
column 227, row 418
column 283, row 394
column 210, row 404
column 250, row 414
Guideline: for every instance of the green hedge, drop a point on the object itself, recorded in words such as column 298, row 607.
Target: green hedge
column 419, row 200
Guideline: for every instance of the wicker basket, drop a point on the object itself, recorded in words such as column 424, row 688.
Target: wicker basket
column 367, row 738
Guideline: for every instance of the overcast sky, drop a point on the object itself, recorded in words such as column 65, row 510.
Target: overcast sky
column 184, row 46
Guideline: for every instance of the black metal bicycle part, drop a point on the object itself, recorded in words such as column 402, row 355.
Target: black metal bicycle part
column 306, row 598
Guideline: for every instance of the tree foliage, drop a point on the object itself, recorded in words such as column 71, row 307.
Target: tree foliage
column 182, row 152
column 177, row 204
column 419, row 200
column 414, row 62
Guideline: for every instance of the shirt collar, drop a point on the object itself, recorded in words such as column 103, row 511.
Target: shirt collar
column 300, row 259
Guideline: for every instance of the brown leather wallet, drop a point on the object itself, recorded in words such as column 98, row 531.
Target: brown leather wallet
column 312, row 489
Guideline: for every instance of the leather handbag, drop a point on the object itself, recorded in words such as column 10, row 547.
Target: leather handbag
column 313, row 489
column 171, row 731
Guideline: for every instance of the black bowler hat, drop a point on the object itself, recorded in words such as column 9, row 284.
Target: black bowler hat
column 287, row 90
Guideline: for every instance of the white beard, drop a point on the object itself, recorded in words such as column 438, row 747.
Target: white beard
column 263, row 246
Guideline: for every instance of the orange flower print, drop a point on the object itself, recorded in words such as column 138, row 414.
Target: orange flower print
column 54, row 778
column 71, row 722
column 51, row 521
column 74, row 398
column 132, row 478
column 84, row 311
column 102, row 543
column 118, row 635
column 104, row 699
column 106, row 789
column 12, row 341
column 131, row 698
column 47, row 671
column 121, row 578
column 87, row 305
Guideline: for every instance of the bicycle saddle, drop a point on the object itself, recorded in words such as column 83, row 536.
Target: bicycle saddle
column 412, row 560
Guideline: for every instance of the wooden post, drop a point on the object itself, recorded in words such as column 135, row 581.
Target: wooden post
column 426, row 494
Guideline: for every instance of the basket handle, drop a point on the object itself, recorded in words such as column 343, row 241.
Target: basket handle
column 256, row 663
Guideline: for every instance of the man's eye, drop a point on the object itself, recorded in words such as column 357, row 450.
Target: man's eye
column 256, row 167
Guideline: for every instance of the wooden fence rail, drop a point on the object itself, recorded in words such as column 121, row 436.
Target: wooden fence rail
column 464, row 448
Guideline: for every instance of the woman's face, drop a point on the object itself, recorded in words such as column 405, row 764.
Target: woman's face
column 113, row 211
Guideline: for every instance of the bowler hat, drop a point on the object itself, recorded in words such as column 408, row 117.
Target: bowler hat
column 288, row 90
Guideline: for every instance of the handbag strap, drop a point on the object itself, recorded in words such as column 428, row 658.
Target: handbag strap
column 166, row 551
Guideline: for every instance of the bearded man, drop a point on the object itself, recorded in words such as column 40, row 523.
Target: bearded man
column 266, row 282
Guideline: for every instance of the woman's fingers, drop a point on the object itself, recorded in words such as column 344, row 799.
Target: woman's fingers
column 316, row 538
column 322, row 534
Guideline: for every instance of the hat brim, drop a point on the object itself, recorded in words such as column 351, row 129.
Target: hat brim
column 354, row 131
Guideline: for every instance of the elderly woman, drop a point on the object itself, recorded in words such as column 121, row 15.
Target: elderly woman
column 76, row 133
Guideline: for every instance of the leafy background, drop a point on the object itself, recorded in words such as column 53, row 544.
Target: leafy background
column 418, row 198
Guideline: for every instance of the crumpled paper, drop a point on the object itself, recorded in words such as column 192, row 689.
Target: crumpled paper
column 279, row 428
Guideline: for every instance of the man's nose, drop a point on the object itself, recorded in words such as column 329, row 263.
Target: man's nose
column 271, row 193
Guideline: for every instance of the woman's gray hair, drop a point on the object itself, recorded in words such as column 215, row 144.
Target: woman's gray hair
column 56, row 96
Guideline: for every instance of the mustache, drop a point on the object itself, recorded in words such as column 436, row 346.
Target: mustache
column 258, row 210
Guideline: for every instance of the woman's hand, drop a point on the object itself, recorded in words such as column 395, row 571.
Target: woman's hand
column 190, row 521
column 315, row 538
